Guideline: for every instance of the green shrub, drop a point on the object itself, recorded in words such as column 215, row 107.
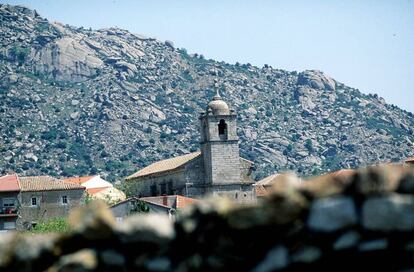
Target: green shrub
column 140, row 207
column 19, row 53
column 58, row 224
column 309, row 145
column 49, row 135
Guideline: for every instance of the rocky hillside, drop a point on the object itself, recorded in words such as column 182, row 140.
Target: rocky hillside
column 80, row 101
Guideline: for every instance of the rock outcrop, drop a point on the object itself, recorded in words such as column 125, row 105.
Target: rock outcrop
column 68, row 60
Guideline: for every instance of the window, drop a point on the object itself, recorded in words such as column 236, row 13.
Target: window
column 163, row 189
column 64, row 200
column 222, row 127
column 153, row 189
column 9, row 202
column 170, row 188
column 34, row 201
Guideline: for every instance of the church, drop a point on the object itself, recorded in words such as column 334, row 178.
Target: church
column 216, row 169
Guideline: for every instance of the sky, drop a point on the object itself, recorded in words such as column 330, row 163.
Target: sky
column 368, row 45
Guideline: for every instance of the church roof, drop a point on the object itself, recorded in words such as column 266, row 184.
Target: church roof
column 164, row 165
column 218, row 106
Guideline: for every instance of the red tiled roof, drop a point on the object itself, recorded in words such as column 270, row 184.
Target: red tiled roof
column 9, row 183
column 183, row 201
column 410, row 160
column 46, row 183
column 260, row 190
column 92, row 191
column 78, row 180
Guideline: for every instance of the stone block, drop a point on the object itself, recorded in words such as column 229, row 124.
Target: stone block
column 332, row 214
column 393, row 212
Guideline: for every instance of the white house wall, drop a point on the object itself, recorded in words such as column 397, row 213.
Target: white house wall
column 96, row 182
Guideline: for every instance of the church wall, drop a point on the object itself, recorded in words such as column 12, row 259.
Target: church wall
column 245, row 171
column 224, row 162
column 172, row 182
column 240, row 193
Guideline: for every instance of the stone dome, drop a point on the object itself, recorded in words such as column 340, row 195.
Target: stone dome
column 218, row 106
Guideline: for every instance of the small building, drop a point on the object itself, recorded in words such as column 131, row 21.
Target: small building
column 216, row 169
column 44, row 197
column 125, row 208
column 9, row 202
column 168, row 204
column 98, row 188
column 165, row 204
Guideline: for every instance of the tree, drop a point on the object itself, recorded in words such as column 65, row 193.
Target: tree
column 140, row 207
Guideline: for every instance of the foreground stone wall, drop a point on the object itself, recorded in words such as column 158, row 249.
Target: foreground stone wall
column 328, row 223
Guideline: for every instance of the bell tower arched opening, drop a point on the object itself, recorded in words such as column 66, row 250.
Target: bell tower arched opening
column 222, row 129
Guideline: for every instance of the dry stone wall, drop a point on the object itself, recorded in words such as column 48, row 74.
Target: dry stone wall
column 363, row 222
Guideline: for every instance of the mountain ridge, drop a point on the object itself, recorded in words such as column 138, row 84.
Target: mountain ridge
column 109, row 101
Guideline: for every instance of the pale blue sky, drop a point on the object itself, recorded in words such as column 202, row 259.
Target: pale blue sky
column 368, row 45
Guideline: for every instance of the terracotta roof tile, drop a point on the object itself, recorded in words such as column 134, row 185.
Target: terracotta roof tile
column 261, row 190
column 164, row 165
column 45, row 183
column 410, row 160
column 92, row 191
column 9, row 183
column 183, row 201
column 78, row 180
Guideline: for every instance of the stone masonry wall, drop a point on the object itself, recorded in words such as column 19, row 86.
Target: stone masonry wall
column 49, row 205
column 224, row 161
column 364, row 222
column 192, row 173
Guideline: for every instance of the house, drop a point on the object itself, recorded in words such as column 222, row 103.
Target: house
column 44, row 197
column 216, row 169
column 168, row 205
column 9, row 203
column 98, row 188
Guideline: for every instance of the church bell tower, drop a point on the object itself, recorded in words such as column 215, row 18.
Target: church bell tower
column 220, row 143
